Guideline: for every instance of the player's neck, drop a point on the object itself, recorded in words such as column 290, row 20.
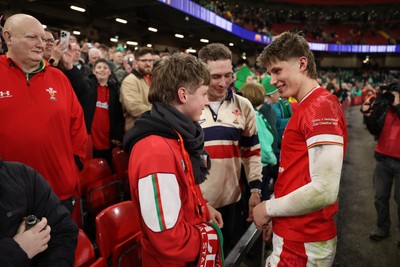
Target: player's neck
column 306, row 88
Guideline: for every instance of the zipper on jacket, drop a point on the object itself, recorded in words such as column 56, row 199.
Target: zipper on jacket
column 28, row 81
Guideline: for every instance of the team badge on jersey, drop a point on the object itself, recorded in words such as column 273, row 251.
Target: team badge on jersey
column 52, row 94
column 236, row 113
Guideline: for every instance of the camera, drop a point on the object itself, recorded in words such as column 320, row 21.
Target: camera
column 392, row 87
column 30, row 221
column 386, row 95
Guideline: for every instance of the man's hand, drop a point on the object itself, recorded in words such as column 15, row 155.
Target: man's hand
column 267, row 232
column 58, row 51
column 215, row 216
column 67, row 59
column 253, row 201
column 260, row 215
column 34, row 240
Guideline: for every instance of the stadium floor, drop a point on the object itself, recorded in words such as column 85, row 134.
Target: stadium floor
column 357, row 217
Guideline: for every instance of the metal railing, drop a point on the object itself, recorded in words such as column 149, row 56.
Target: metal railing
column 251, row 240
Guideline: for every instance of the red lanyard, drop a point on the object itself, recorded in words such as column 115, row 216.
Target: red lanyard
column 198, row 205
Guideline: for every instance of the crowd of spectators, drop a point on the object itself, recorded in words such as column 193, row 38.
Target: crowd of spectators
column 318, row 24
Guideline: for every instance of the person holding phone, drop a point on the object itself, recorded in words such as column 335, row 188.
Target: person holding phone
column 54, row 49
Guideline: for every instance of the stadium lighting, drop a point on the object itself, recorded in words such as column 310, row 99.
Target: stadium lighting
column 77, row 8
column 132, row 43
column 123, row 21
column 152, row 29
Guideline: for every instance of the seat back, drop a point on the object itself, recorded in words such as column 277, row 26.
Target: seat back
column 114, row 225
column 120, row 161
column 84, row 252
column 77, row 213
column 128, row 253
column 102, row 194
column 100, row 262
column 94, row 170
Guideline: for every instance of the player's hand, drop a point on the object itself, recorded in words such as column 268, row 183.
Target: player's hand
column 267, row 232
column 260, row 215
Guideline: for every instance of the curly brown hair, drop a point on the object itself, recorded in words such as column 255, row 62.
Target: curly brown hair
column 286, row 46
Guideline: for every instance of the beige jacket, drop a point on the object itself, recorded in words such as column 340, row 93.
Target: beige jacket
column 133, row 97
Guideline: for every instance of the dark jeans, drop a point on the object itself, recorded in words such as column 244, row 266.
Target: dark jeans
column 387, row 170
column 267, row 188
column 234, row 218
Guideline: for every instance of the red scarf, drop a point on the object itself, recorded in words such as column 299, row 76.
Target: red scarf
column 211, row 253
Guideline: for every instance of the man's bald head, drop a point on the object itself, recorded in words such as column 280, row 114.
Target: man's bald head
column 17, row 19
column 24, row 36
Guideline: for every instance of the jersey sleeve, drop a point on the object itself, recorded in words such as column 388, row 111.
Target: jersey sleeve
column 250, row 146
column 323, row 124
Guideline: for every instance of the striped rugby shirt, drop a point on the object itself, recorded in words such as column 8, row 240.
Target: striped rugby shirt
column 230, row 139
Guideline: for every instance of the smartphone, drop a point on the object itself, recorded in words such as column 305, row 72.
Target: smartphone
column 64, row 38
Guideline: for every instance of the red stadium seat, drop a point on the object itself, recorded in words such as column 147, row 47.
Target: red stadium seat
column 128, row 253
column 84, row 252
column 77, row 212
column 103, row 193
column 94, row 169
column 120, row 161
column 114, row 226
column 100, row 262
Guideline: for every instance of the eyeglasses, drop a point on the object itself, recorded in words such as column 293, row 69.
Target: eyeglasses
column 146, row 60
column 49, row 40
